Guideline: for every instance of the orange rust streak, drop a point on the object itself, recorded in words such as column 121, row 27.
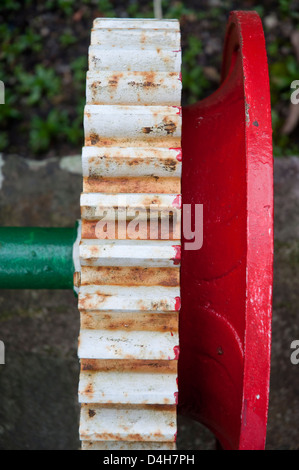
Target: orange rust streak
column 117, row 437
column 90, row 444
column 120, row 406
column 166, row 322
column 144, row 184
column 96, row 101
column 130, row 276
column 170, row 164
column 167, row 141
column 89, row 389
column 134, row 365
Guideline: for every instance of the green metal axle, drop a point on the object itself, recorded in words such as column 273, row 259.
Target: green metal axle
column 36, row 258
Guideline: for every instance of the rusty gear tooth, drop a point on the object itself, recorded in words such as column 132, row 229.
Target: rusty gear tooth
column 129, row 249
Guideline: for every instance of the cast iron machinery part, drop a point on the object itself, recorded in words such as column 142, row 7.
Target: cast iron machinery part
column 132, row 291
column 129, row 294
column 226, row 286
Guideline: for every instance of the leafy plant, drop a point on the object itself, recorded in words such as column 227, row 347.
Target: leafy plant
column 177, row 10
column 193, row 78
column 67, row 6
column 78, row 67
column 67, row 38
column 282, row 73
column 44, row 82
column 106, row 8
column 45, row 130
column 11, row 5
column 134, row 10
column 13, row 48
column 3, row 140
column 9, row 111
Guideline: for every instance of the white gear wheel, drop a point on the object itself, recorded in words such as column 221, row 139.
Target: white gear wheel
column 129, row 286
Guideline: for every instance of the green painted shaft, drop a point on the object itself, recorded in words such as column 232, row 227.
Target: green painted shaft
column 36, row 258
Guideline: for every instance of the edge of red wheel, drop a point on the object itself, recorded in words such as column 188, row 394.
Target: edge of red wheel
column 257, row 354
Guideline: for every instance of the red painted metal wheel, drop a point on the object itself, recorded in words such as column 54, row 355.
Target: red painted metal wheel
column 226, row 286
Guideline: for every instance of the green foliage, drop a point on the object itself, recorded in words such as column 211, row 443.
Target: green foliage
column 11, row 5
column 288, row 9
column 135, row 10
column 176, row 10
column 42, row 83
column 42, row 131
column 45, row 73
column 194, row 81
column 106, row 8
column 9, row 111
column 37, row 113
column 54, row 127
column 282, row 73
column 66, row 6
column 3, row 141
column 14, row 43
column 79, row 68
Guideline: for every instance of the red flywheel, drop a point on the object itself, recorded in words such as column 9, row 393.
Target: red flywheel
column 226, row 286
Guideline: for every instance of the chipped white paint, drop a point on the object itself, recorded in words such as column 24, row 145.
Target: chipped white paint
column 154, row 253
column 130, row 299
column 138, row 37
column 127, row 387
column 118, row 162
column 131, row 123
column 103, row 344
column 134, row 60
column 125, row 423
column 94, row 205
column 128, row 24
column 143, row 87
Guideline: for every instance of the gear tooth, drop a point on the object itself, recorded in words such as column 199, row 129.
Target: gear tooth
column 133, row 87
column 129, row 250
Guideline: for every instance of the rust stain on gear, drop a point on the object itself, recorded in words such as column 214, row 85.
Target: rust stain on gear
column 128, row 275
